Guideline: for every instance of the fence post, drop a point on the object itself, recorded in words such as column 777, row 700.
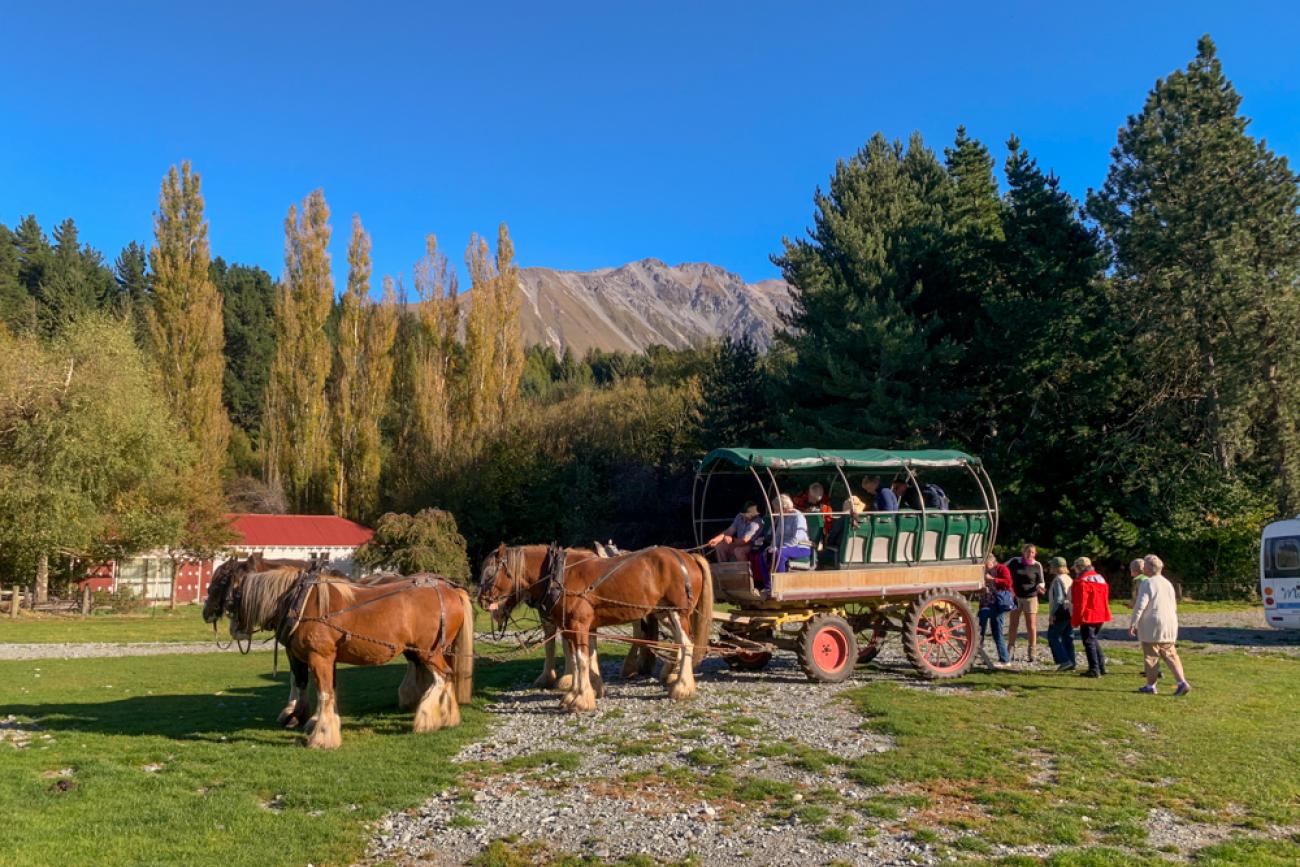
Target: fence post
column 85, row 600
column 15, row 600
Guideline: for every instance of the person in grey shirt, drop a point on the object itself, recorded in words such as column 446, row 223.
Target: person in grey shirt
column 733, row 542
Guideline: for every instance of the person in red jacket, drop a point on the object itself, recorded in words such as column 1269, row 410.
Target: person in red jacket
column 1089, row 609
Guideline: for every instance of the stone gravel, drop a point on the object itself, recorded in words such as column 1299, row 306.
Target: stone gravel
column 621, row 784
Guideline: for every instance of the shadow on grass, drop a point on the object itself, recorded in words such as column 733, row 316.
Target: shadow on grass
column 367, row 696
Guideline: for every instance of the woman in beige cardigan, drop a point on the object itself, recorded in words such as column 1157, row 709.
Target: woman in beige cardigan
column 1155, row 623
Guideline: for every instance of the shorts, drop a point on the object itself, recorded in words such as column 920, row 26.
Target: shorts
column 1028, row 605
column 1153, row 652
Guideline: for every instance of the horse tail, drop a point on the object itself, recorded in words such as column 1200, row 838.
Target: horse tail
column 462, row 659
column 702, row 614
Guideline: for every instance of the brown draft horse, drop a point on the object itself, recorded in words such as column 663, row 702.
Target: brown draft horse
column 223, row 593
column 581, row 597
column 323, row 620
column 525, row 561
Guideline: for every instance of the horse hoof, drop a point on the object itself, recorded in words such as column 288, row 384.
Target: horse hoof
column 565, row 683
column 584, row 703
column 680, row 691
column 546, row 680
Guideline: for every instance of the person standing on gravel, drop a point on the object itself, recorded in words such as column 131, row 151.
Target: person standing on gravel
column 1089, row 611
column 1027, row 581
column 1155, row 624
column 1060, row 632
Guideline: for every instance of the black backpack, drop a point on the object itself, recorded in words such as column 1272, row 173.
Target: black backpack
column 934, row 496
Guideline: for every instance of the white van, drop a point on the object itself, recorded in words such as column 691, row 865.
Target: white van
column 1279, row 574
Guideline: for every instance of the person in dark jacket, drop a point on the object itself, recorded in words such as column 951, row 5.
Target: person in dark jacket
column 1089, row 611
column 1028, row 582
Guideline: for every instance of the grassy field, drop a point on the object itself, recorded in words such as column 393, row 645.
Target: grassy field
column 1066, row 761
column 176, row 759
column 184, row 625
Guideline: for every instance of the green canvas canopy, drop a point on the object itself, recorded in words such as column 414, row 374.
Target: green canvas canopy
column 800, row 459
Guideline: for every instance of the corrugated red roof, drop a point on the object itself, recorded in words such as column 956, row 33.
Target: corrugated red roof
column 300, row 531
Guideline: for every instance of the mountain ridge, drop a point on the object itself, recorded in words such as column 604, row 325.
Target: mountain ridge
column 633, row 306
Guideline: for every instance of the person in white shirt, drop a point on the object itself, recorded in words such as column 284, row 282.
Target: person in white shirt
column 1155, row 624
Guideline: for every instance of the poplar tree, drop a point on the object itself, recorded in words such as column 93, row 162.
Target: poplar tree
column 362, row 379
column 494, row 357
column 424, row 375
column 1203, row 222
column 183, row 320
column 296, row 441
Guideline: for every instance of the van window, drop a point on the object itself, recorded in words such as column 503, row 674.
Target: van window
column 1284, row 555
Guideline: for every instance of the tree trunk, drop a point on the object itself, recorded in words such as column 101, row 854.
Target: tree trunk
column 42, row 580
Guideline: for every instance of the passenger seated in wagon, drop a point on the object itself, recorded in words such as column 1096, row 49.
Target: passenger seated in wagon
column 733, row 542
column 905, row 493
column 882, row 499
column 813, row 500
column 789, row 542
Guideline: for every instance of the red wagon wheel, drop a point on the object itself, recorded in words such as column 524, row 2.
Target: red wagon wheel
column 827, row 649
column 939, row 634
column 871, row 648
column 748, row 660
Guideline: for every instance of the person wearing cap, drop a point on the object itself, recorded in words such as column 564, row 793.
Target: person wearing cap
column 1060, row 633
column 789, row 541
column 1089, row 611
column 1154, row 623
column 1029, row 583
column 733, row 542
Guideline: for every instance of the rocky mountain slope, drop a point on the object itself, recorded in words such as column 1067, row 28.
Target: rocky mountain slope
column 643, row 303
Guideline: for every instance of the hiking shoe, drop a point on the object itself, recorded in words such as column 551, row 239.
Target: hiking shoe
column 1183, row 688
column 1149, row 689
column 1090, row 673
column 1067, row 666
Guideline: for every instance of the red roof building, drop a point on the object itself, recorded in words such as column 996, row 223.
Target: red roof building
column 157, row 576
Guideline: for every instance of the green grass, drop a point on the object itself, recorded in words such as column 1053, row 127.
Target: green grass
column 177, row 759
column 185, row 624
column 1102, row 751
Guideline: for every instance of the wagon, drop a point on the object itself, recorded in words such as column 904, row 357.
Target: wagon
column 871, row 574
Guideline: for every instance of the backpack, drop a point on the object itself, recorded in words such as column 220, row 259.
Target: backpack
column 935, row 498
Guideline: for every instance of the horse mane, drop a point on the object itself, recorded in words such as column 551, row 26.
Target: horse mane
column 260, row 596
column 332, row 583
column 516, row 562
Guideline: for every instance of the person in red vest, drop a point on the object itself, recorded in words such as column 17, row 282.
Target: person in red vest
column 1089, row 610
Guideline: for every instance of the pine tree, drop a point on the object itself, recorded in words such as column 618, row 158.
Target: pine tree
column 870, row 367
column 296, row 443
column 73, row 281
column 1203, row 221
column 184, row 321
column 248, row 310
column 1051, row 406
column 16, row 306
column 131, row 273
column 363, row 372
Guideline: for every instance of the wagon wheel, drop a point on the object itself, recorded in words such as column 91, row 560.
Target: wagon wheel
column 869, row 649
column 827, row 649
column 748, row 660
column 939, row 634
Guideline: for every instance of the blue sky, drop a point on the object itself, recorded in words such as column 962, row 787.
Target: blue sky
column 601, row 132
